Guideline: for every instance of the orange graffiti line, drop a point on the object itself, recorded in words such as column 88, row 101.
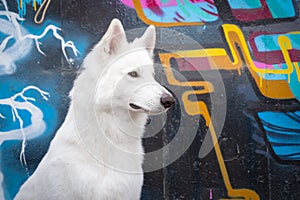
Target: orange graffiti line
column 200, row 108
column 165, row 60
column 217, row 57
column 34, row 5
column 277, row 89
column 139, row 10
column 195, row 107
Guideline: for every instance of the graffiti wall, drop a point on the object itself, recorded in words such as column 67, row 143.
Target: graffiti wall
column 233, row 65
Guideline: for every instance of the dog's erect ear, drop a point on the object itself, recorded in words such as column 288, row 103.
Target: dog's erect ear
column 114, row 37
column 148, row 39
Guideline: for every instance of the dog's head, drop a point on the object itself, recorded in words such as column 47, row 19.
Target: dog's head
column 126, row 81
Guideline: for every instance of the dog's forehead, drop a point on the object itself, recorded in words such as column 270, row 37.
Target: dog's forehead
column 137, row 60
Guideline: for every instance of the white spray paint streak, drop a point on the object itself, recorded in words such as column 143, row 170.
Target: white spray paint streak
column 37, row 126
column 23, row 41
column 55, row 30
column 18, row 50
column 1, row 116
column 4, row 43
column 6, row 8
column 9, row 55
column 14, row 20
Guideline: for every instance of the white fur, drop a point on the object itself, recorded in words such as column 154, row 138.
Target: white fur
column 97, row 152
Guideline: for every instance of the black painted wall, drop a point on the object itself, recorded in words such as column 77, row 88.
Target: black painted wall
column 256, row 111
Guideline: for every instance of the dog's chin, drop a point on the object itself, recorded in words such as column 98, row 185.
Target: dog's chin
column 136, row 108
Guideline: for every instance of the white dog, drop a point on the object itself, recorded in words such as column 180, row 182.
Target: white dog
column 97, row 153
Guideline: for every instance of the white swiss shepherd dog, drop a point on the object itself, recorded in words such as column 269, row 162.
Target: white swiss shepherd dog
column 97, row 153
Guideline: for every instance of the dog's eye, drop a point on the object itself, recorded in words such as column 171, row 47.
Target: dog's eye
column 133, row 74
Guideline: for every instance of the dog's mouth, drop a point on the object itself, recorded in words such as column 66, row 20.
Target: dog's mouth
column 138, row 108
column 134, row 106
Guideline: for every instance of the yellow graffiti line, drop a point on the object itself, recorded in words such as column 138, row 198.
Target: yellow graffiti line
column 285, row 45
column 277, row 89
column 199, row 108
column 217, row 58
column 200, row 53
column 228, row 29
column 140, row 12
column 297, row 70
column 245, row 193
column 165, row 60
column 34, row 5
column 208, row 87
column 194, row 108
column 294, row 32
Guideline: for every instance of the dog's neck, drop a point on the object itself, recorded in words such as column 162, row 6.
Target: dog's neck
column 120, row 127
column 101, row 141
column 102, row 131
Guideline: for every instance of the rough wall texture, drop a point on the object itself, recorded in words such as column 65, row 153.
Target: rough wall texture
column 244, row 68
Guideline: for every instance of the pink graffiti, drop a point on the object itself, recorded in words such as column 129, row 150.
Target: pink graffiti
column 261, row 65
column 150, row 3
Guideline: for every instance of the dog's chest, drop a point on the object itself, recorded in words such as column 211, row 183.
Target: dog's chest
column 107, row 183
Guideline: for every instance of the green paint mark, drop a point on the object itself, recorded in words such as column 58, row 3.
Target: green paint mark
column 281, row 8
column 182, row 7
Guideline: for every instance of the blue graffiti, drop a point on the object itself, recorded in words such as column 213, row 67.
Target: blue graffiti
column 244, row 4
column 283, row 133
column 17, row 42
column 27, row 115
column 22, row 5
column 277, row 8
column 28, row 112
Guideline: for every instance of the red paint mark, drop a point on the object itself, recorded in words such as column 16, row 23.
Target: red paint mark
column 178, row 15
column 248, row 15
column 266, row 8
column 154, row 7
column 210, row 2
column 159, row 3
column 276, row 57
column 175, row 19
column 251, row 14
column 209, row 12
column 271, row 57
column 210, row 6
column 210, row 194
column 193, row 64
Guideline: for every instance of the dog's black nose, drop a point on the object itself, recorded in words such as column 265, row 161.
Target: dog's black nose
column 167, row 100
